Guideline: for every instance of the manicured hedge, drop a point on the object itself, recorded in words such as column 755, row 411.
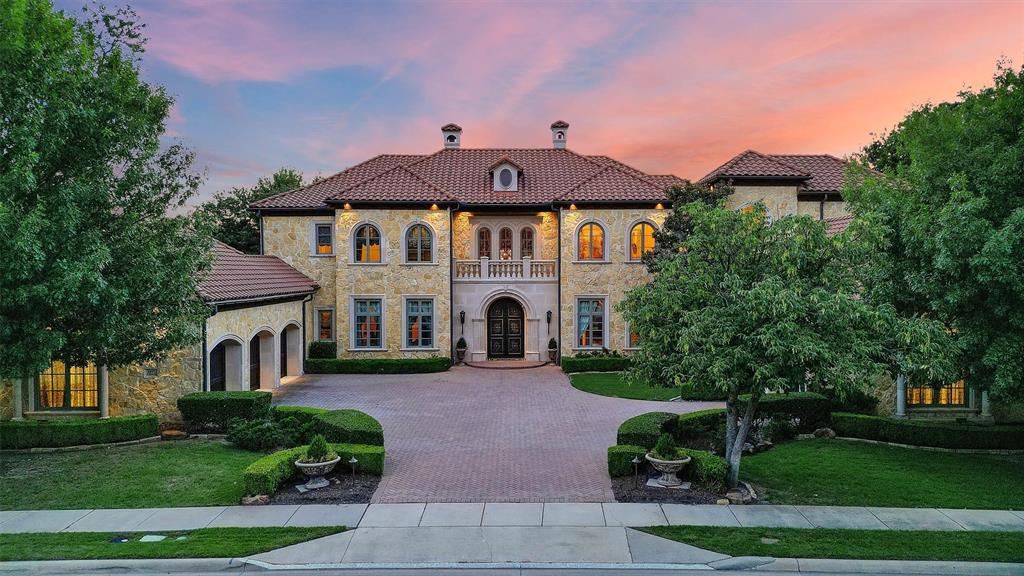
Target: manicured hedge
column 706, row 468
column 932, row 434
column 690, row 392
column 323, row 349
column 377, row 365
column 812, row 409
column 573, row 364
column 203, row 410
column 266, row 474
column 644, row 430
column 23, row 434
column 350, row 426
column 700, row 427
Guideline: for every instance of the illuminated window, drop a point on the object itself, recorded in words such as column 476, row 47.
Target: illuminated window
column 324, row 239
column 641, row 240
column 748, row 208
column 632, row 338
column 526, row 243
column 591, row 242
column 325, row 324
column 418, row 244
column 63, row 387
column 367, row 244
column 949, row 395
column 505, row 244
column 484, row 243
column 419, row 323
column 590, row 323
column 367, row 323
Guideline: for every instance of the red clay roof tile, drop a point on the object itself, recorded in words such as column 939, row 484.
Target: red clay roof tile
column 235, row 276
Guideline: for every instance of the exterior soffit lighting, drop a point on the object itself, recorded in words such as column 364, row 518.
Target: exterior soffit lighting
column 658, row 206
column 572, row 206
column 347, row 206
column 433, row 207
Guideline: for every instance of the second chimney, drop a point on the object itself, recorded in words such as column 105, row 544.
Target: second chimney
column 559, row 132
column 452, row 134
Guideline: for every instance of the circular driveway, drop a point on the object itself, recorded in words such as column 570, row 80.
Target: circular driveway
column 480, row 435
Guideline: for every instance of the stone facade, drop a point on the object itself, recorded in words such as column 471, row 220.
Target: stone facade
column 833, row 208
column 610, row 279
column 241, row 325
column 392, row 279
column 780, row 200
column 154, row 388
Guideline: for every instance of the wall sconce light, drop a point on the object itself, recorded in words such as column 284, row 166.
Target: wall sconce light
column 462, row 320
column 549, row 322
column 347, row 206
column 658, row 206
column 572, row 206
column 433, row 207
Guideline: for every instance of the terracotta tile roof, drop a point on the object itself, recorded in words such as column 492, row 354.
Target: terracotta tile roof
column 463, row 175
column 826, row 171
column 753, row 164
column 837, row 224
column 236, row 276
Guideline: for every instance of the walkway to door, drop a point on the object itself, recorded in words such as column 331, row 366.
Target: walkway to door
column 474, row 435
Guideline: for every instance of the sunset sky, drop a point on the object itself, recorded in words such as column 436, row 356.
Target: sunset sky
column 670, row 87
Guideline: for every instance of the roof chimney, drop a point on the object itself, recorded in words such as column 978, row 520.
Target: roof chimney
column 559, row 132
column 452, row 135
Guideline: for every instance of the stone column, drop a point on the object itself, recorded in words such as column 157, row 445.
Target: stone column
column 104, row 401
column 19, row 409
column 526, row 267
column 986, row 409
column 485, row 267
column 901, row 396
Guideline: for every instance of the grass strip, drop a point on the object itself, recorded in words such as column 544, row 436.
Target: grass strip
column 613, row 384
column 202, row 543
column 852, row 544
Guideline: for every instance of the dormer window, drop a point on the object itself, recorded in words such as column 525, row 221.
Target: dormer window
column 505, row 175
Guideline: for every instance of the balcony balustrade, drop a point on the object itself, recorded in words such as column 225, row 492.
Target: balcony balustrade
column 485, row 270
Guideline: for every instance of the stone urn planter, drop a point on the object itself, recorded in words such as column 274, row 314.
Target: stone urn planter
column 668, row 469
column 460, row 355
column 316, row 471
column 552, row 355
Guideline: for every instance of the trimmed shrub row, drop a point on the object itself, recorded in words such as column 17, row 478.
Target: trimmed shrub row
column 931, row 434
column 706, row 468
column 341, row 426
column 214, row 410
column 377, row 365
column 266, row 474
column 323, row 349
column 644, row 430
column 573, row 364
column 811, row 409
column 60, row 433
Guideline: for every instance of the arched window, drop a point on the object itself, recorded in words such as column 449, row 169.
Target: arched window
column 419, row 244
column 505, row 244
column 591, row 242
column 483, row 244
column 641, row 240
column 367, row 244
column 526, row 243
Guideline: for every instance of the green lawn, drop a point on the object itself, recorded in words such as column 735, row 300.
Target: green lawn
column 203, row 543
column 184, row 473
column 844, row 473
column 858, row 544
column 613, row 384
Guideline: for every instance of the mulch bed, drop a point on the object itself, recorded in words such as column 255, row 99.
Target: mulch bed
column 628, row 489
column 344, row 489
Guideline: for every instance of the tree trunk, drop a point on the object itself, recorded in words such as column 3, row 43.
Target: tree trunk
column 734, row 449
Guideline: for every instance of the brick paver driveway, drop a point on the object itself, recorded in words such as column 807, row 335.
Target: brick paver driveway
column 478, row 435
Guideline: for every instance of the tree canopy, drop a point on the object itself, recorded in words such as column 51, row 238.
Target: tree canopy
column 93, row 269
column 229, row 215
column 952, row 202
column 742, row 307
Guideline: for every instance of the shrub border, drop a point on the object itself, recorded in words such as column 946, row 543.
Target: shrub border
column 265, row 476
column 33, row 434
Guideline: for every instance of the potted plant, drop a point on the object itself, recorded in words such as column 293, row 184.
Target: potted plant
column 664, row 457
column 460, row 350
column 318, row 461
column 552, row 350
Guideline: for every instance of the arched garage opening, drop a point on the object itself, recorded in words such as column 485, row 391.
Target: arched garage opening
column 261, row 361
column 226, row 366
column 291, row 351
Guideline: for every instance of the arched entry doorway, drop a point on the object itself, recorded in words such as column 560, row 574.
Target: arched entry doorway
column 226, row 366
column 291, row 350
column 505, row 323
column 261, row 360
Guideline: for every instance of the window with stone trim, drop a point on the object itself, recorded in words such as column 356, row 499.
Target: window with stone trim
column 324, row 239
column 63, row 387
column 483, row 243
column 591, row 242
column 367, row 323
column 419, row 244
column 641, row 240
column 325, row 324
column 419, row 323
column 526, row 243
column 951, row 395
column 367, row 244
column 590, row 322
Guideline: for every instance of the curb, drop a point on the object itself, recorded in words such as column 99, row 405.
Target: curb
column 125, row 566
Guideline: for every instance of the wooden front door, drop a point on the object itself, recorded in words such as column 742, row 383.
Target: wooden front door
column 505, row 323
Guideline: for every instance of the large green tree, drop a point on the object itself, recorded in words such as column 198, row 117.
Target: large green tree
column 677, row 225
column 229, row 214
column 952, row 201
column 93, row 268
column 743, row 308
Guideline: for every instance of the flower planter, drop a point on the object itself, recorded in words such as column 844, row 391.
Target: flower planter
column 316, row 471
column 460, row 355
column 552, row 354
column 668, row 469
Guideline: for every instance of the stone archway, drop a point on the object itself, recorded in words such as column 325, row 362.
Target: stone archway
column 506, row 329
column 291, row 351
column 262, row 373
column 226, row 365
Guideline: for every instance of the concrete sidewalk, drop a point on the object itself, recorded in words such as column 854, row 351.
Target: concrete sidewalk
column 583, row 515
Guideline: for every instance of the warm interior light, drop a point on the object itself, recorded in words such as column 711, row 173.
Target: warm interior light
column 658, row 206
column 572, row 206
column 433, row 206
column 347, row 206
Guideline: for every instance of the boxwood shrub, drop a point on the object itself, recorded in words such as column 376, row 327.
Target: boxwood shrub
column 323, row 349
column 214, row 410
column 931, row 434
column 573, row 364
column 266, row 474
column 706, row 468
column 700, row 428
column 348, row 426
column 620, row 459
column 643, row 430
column 377, row 365
column 813, row 410
column 23, row 434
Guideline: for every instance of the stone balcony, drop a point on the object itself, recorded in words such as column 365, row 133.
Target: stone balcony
column 487, row 270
